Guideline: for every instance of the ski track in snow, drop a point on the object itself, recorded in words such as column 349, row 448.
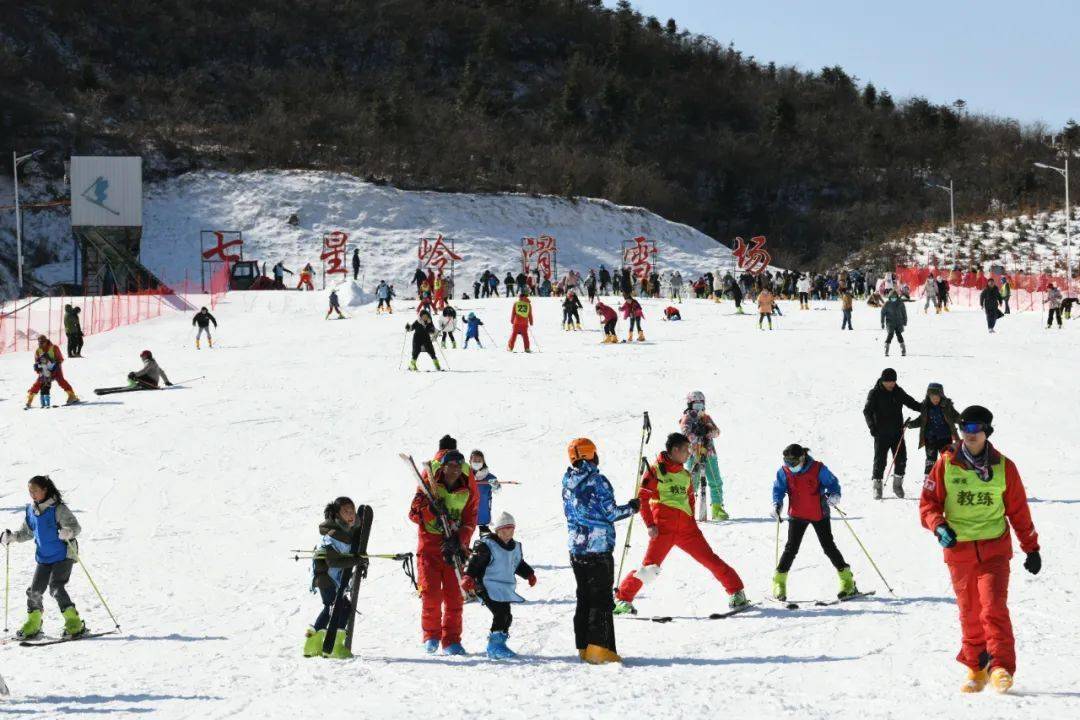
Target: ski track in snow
column 191, row 501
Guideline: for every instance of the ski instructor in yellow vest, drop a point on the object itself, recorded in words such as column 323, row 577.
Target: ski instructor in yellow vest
column 521, row 319
column 969, row 500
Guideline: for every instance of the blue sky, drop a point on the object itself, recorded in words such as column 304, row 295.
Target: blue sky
column 1013, row 59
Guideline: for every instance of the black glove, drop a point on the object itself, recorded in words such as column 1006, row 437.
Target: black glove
column 777, row 509
column 1033, row 562
column 168, row 384
column 408, row 327
column 131, row 376
column 451, row 551
column 634, row 504
column 362, row 566
column 946, row 535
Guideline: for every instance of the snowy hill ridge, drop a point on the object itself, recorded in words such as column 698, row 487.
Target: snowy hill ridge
column 385, row 221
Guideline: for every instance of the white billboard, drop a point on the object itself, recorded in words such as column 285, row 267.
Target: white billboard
column 106, row 191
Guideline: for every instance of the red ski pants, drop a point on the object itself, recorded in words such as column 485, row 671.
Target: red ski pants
column 440, row 598
column 58, row 378
column 684, row 534
column 982, row 593
column 523, row 332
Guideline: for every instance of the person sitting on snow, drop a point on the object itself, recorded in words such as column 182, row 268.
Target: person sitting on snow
column 150, row 375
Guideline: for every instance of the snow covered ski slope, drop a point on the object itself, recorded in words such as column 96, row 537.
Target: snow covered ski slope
column 192, row 502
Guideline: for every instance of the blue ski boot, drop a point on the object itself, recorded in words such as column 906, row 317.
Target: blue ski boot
column 431, row 646
column 496, row 647
column 454, row 649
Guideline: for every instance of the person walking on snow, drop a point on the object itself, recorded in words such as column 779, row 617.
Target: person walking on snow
column 591, row 514
column 521, row 318
column 423, row 330
column 472, row 330
column 49, row 353
column 803, row 288
column 335, row 306
column 202, row 320
column 1006, row 293
column 931, row 292
column 571, row 305
column 332, row 557
column 990, row 301
column 937, row 424
column 697, row 425
column 49, row 522
column 766, row 303
column 495, row 561
column 438, row 556
column 1053, row 302
column 974, row 493
column 73, row 330
column 883, row 413
column 667, row 508
column 486, row 485
column 894, row 318
column 631, row 309
column 610, row 319
column 150, row 375
column 811, row 489
column 847, row 304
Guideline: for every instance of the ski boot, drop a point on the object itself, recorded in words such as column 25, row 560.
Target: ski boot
column 1001, row 679
column 976, row 681
column 431, row 646
column 718, row 512
column 31, row 628
column 210, row 342
column 412, row 365
column 630, row 337
column 886, row 349
column 197, row 347
column 339, row 652
column 454, row 649
column 577, row 326
column 597, row 655
column 737, row 600
column 898, row 486
column 779, row 585
column 438, row 366
column 73, row 624
column 496, row 647
column 313, row 642
column 72, row 399
column 46, row 401
column 624, row 607
column 847, row 584
column 453, row 344
column 877, row 488
column 29, row 400
column 903, row 349
column 640, row 336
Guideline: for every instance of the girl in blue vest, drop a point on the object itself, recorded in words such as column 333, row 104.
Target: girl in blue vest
column 495, row 561
column 332, row 556
column 53, row 528
column 811, row 488
column 486, row 485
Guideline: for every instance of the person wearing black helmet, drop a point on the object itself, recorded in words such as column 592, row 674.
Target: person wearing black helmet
column 884, row 417
column 974, row 493
column 151, row 374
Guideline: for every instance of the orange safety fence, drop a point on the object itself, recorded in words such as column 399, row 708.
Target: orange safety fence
column 1027, row 292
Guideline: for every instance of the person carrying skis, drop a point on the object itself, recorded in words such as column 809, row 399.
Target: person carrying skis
column 335, row 306
column 894, row 317
column 631, row 310
column 990, row 302
column 150, row 375
column 306, row 277
column 486, row 485
column 472, row 330
column 495, row 561
column 49, row 522
column 447, row 325
column 202, row 320
column 697, row 425
column 974, row 493
column 610, row 319
column 521, row 318
column 332, row 556
column 571, row 305
column 439, row 557
column 383, row 294
column 591, row 514
column 49, row 353
column 73, row 330
column 766, row 303
column 667, row 509
column 672, row 313
column 937, row 424
column 811, row 489
column 883, row 413
column 423, row 330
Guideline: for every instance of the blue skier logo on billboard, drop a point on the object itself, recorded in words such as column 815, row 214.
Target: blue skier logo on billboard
column 98, row 193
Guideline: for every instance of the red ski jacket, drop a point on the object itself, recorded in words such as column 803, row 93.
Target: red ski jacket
column 606, row 312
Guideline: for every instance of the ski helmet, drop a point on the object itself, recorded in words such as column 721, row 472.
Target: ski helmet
column 581, row 449
column 695, row 397
column 145, row 354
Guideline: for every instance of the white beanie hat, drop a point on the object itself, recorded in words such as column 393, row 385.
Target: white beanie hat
column 505, row 520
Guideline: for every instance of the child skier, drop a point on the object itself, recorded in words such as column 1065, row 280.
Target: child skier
column 610, row 319
column 202, row 319
column 447, row 325
column 383, row 293
column 672, row 313
column 338, row 530
column 631, row 309
column 811, row 489
column 571, row 305
column 334, row 306
column 697, row 425
column 51, row 354
column 422, row 330
column 53, row 528
column 766, row 303
column 495, row 560
column 486, row 485
column 937, row 424
column 472, row 330
column 521, row 318
column 45, row 369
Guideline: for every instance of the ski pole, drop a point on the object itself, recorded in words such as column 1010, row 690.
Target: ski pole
column 493, row 343
column 843, row 516
column 404, row 342
column 78, row 559
column 439, row 350
column 7, row 583
column 896, row 449
column 535, row 341
column 646, row 435
column 778, row 541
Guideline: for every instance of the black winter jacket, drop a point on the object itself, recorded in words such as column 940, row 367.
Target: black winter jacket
column 884, row 410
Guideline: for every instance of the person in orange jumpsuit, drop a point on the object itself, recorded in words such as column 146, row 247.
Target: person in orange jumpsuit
column 306, row 277
column 667, row 508
column 48, row 352
column 969, row 500
column 521, row 317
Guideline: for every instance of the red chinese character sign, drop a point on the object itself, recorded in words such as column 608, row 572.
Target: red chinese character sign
column 434, row 253
column 333, row 254
column 219, row 246
column 753, row 258
column 540, row 253
column 640, row 255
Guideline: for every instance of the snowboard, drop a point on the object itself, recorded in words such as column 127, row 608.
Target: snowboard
column 350, row 582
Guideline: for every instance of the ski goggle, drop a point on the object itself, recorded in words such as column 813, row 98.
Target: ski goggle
column 699, row 406
column 792, row 462
column 972, row 428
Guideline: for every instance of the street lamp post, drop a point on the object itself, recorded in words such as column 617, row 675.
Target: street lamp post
column 17, row 160
column 1064, row 172
column 952, row 214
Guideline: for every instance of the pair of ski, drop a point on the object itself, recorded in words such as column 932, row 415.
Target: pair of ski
column 713, row 616
column 139, row 387
column 795, row 604
column 346, row 597
column 41, row 641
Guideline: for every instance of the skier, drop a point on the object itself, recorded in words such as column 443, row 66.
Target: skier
column 332, row 556
column 472, row 330
column 590, row 286
column 937, row 424
column 508, row 281
column 438, row 556
column 931, row 293
column 667, row 508
column 150, row 375
column 383, row 294
column 1053, row 301
column 73, row 330
column 422, row 330
column 202, row 319
column 766, row 304
column 486, row 485
column 672, row 313
column 335, row 306
column 521, row 317
column 737, row 296
column 972, row 496
column 803, row 288
column 631, row 310
column 45, row 368
column 847, row 303
column 355, row 263
column 676, row 286
column 51, row 354
column 811, row 489
column 495, row 561
column 990, row 302
column 884, row 417
column 697, row 425
column 447, row 325
column 306, row 276
column 610, row 319
column 49, row 522
column 279, row 271
column 591, row 514
column 894, row 315
column 571, row 305
column 943, row 291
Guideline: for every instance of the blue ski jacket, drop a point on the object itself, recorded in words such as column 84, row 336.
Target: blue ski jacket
column 591, row 512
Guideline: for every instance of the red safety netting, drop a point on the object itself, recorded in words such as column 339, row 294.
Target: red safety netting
column 1028, row 292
